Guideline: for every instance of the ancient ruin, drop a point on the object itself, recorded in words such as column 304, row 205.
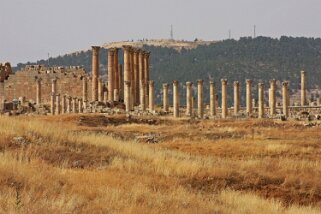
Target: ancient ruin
column 129, row 89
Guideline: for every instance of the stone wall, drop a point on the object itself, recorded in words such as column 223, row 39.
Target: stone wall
column 23, row 83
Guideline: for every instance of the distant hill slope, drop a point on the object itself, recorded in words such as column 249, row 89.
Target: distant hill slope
column 260, row 59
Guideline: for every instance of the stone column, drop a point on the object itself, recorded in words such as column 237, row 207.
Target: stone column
column 95, row 72
column 212, row 99
column 175, row 98
column 100, row 90
column 165, row 97
column 63, row 104
column 74, row 103
column 136, row 77
column 58, row 104
column 303, row 90
column 151, row 96
column 200, row 99
column 127, row 96
column 120, row 82
column 224, row 98
column 272, row 102
column 52, row 103
column 127, row 77
column 189, row 99
column 141, row 72
column 132, row 79
column 146, row 71
column 38, row 92
column 285, row 100
column 54, row 86
column 248, row 96
column 85, row 90
column 142, row 95
column 80, row 108
column 111, row 55
column 105, row 97
column 261, row 100
column 116, row 76
column 69, row 104
column 236, row 85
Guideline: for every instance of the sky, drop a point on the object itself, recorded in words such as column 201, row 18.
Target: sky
column 30, row 29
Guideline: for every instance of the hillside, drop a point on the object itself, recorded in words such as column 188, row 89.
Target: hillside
column 260, row 59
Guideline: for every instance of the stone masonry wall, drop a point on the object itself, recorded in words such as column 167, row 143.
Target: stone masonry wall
column 23, row 83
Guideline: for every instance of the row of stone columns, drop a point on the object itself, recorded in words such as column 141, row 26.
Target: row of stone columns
column 224, row 107
column 68, row 104
column 136, row 79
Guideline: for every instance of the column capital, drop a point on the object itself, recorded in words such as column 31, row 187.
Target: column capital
column 272, row 81
column 248, row 81
column 303, row 72
column 95, row 48
column 127, row 47
column 261, row 84
column 175, row 82
column 111, row 51
column 285, row 83
column 165, row 85
column 189, row 83
column 224, row 81
column 236, row 83
column 212, row 83
column 200, row 81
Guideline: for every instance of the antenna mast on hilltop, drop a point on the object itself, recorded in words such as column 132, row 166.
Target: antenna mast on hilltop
column 172, row 33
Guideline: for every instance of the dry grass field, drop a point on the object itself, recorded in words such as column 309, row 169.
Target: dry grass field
column 99, row 164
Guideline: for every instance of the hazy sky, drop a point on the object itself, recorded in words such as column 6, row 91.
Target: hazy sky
column 30, row 29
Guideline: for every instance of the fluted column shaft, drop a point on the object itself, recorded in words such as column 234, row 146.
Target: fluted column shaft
column 200, row 98
column 249, row 96
column 224, row 98
column 189, row 98
column 58, row 111
column 236, row 85
column 175, row 98
column 303, row 89
column 212, row 99
column 111, row 70
column 165, row 97
column 285, row 99
column 38, row 92
column 95, row 72
column 261, row 100
column 127, row 77
column 272, row 102
column 151, row 96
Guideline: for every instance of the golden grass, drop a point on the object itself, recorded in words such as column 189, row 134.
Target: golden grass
column 174, row 176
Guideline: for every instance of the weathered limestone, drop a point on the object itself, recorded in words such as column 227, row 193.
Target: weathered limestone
column 111, row 70
column 249, row 96
column 120, row 82
column 136, row 77
column 52, row 103
column 142, row 95
column 80, row 107
column 212, row 99
column 63, row 104
column 224, row 98
column 285, row 99
column 146, row 72
column 303, row 89
column 132, row 80
column 54, row 86
column 175, row 98
column 38, row 92
column 151, row 96
column 85, row 90
column 165, row 97
column 127, row 77
column 200, row 98
column 141, row 73
column 189, row 99
column 116, row 76
column 261, row 100
column 127, row 96
column 74, row 104
column 95, row 72
column 105, row 97
column 236, row 85
column 69, row 104
column 100, row 89
column 272, row 101
column 58, row 111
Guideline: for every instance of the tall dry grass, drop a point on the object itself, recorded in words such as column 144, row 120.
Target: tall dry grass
column 139, row 178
